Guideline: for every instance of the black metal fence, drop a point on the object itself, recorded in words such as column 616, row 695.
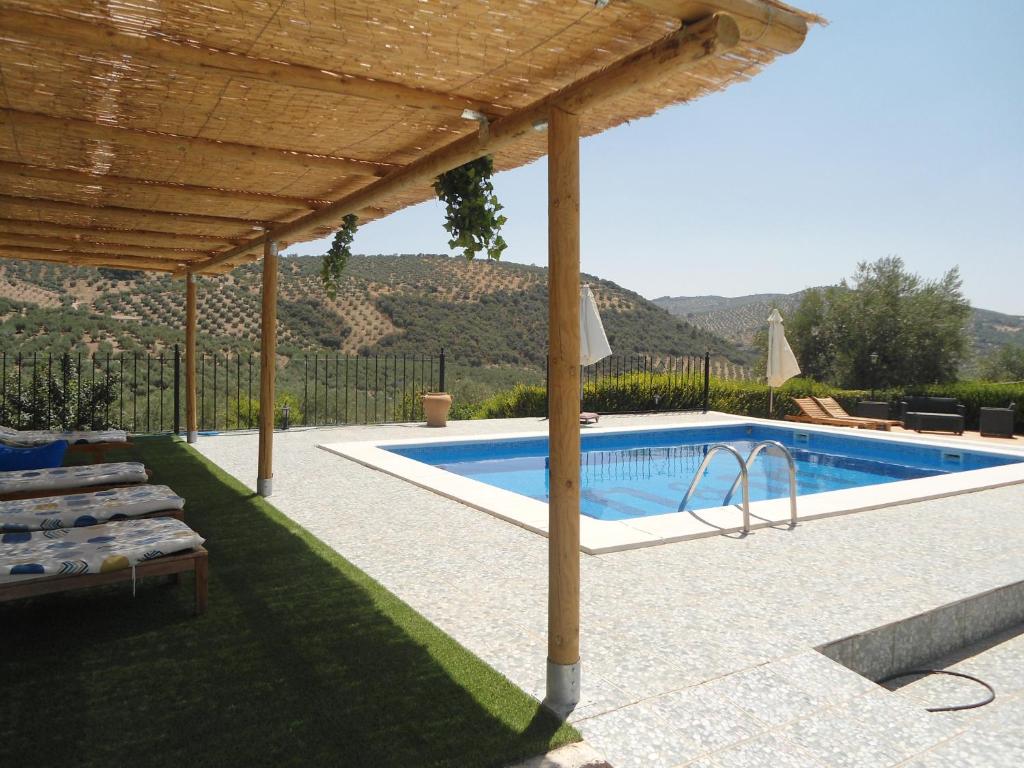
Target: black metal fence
column 681, row 370
column 146, row 393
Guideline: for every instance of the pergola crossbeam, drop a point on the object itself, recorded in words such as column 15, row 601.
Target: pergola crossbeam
column 60, row 244
column 678, row 51
column 46, row 205
column 760, row 24
column 74, row 258
column 126, row 184
column 42, row 30
column 114, row 237
column 176, row 145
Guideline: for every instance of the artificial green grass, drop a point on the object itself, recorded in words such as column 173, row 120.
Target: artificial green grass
column 302, row 659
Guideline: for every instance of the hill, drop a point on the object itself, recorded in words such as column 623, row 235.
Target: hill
column 739, row 318
column 483, row 313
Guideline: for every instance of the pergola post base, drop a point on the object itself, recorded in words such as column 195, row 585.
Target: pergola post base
column 563, row 688
column 265, row 486
column 193, row 436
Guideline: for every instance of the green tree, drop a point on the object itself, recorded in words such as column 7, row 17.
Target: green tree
column 886, row 327
column 1005, row 364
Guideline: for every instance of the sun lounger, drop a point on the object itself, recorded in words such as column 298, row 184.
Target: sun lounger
column 31, row 437
column 83, row 509
column 832, row 407
column 61, row 480
column 586, row 417
column 812, row 413
column 42, row 562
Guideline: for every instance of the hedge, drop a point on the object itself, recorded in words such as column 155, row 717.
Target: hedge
column 632, row 393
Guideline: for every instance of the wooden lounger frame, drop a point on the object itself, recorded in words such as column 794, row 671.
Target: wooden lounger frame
column 195, row 560
column 806, row 417
column 832, row 407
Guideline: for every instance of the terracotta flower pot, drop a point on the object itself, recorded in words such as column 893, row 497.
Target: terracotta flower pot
column 436, row 406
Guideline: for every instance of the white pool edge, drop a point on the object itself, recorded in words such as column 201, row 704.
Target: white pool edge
column 604, row 536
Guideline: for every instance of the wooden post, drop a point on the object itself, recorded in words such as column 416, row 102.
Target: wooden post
column 191, row 422
column 563, row 669
column 268, row 361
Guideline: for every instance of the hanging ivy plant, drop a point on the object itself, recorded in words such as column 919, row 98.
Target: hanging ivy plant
column 338, row 255
column 472, row 209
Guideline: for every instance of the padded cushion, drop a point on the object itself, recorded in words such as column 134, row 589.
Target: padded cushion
column 82, row 509
column 72, row 477
column 101, row 548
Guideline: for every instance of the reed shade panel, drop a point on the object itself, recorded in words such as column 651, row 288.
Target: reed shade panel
column 200, row 121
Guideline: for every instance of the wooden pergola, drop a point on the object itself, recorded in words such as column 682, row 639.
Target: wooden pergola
column 191, row 138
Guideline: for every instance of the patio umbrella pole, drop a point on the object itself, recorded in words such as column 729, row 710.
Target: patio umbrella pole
column 563, row 664
column 268, row 359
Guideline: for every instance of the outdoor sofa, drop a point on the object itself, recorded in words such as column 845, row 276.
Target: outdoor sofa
column 934, row 414
column 43, row 562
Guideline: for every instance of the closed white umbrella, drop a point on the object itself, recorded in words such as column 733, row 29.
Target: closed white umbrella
column 593, row 341
column 782, row 364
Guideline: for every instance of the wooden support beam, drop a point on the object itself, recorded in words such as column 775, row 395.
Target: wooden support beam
column 72, row 258
column 191, row 421
column 133, row 185
column 61, row 244
column 40, row 30
column 175, row 146
column 679, row 51
column 268, row 363
column 761, row 25
column 43, row 205
column 563, row 409
column 114, row 237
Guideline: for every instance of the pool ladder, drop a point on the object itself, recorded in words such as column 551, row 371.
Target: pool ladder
column 743, row 478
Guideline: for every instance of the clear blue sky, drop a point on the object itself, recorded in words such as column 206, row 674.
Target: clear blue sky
column 898, row 129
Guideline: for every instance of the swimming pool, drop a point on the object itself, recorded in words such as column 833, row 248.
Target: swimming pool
column 633, row 480
column 638, row 474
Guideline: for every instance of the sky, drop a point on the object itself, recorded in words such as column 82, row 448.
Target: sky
column 896, row 130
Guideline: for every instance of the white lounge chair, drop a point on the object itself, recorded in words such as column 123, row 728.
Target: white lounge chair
column 41, row 562
column 83, row 509
column 47, row 482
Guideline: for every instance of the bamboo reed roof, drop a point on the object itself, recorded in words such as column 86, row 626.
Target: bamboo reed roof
column 166, row 134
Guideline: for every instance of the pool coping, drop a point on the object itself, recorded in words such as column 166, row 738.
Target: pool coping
column 603, row 536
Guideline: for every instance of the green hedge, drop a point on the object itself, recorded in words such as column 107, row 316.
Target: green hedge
column 663, row 392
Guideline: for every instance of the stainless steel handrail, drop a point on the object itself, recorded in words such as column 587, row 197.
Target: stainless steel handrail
column 792, row 475
column 714, row 449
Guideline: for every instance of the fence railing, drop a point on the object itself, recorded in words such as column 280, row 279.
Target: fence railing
column 146, row 393
column 692, row 369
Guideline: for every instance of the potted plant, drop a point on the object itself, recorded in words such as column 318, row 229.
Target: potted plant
column 435, row 407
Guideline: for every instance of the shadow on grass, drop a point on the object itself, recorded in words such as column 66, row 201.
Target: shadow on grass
column 301, row 660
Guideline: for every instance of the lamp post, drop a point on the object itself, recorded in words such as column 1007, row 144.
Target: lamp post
column 286, row 412
column 874, row 372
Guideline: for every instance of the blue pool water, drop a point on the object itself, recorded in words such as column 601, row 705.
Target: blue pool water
column 637, row 474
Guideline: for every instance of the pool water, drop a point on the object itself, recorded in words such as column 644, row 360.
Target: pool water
column 641, row 473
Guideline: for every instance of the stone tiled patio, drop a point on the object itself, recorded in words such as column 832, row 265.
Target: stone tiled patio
column 696, row 653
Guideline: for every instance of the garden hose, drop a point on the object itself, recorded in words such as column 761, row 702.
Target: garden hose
column 991, row 691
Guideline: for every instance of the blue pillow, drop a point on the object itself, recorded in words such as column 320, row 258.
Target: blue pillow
column 37, row 457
